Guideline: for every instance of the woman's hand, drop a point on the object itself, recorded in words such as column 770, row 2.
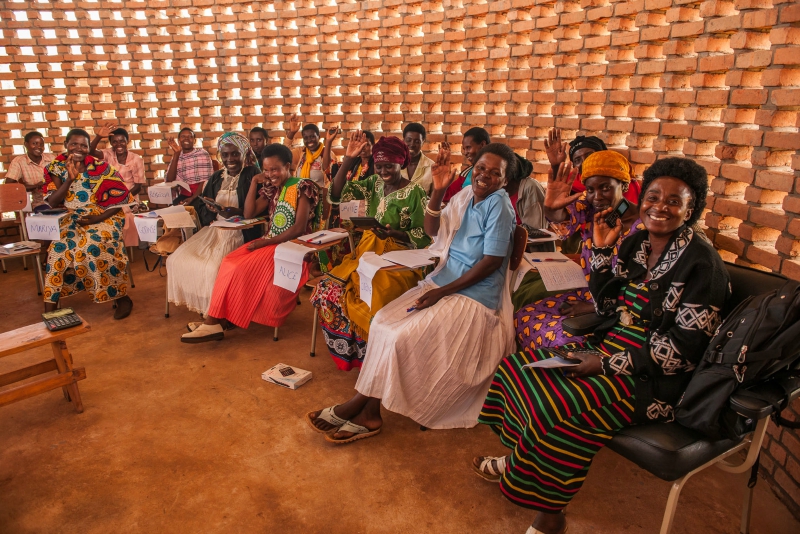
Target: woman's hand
column 294, row 126
column 394, row 234
column 441, row 173
column 333, row 133
column 230, row 212
column 591, row 365
column 557, row 196
column 174, row 146
column 429, row 299
column 90, row 219
column 255, row 245
column 571, row 309
column 556, row 150
column 358, row 140
column 602, row 234
column 106, row 128
column 72, row 170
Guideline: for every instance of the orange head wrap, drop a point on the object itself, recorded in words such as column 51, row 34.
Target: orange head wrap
column 606, row 163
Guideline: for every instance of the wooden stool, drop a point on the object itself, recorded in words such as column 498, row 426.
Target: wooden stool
column 36, row 335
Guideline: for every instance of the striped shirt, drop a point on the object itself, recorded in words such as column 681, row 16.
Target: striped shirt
column 194, row 167
column 25, row 171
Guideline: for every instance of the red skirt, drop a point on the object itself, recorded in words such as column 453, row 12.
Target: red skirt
column 244, row 291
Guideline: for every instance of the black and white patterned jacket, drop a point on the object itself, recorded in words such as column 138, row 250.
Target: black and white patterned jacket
column 687, row 291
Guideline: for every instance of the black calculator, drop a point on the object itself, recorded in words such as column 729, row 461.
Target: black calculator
column 61, row 319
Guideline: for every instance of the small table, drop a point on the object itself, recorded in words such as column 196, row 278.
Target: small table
column 37, row 335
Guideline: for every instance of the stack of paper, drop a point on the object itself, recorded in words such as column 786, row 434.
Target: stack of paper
column 235, row 222
column 20, row 246
column 409, row 258
column 369, row 264
column 176, row 217
column 324, row 236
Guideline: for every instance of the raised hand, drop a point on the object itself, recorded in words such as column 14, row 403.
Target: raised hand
column 556, row 150
column 174, row 146
column 441, row 173
column 358, row 140
column 557, row 196
column 333, row 132
column 295, row 122
column 106, row 128
column 604, row 235
column 72, row 169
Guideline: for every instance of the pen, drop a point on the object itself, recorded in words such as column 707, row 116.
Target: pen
column 412, row 308
column 549, row 259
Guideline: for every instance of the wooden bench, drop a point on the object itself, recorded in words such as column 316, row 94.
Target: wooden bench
column 37, row 335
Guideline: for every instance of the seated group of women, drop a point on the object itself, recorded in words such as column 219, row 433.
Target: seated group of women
column 440, row 349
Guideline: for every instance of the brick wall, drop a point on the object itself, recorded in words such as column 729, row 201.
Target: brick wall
column 717, row 80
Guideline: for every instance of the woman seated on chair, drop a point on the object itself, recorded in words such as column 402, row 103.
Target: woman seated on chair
column 606, row 176
column 193, row 266
column 662, row 302
column 90, row 255
column 398, row 205
column 432, row 352
column 244, row 289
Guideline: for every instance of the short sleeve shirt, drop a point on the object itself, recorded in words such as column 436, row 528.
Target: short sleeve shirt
column 132, row 171
column 23, row 170
column 487, row 229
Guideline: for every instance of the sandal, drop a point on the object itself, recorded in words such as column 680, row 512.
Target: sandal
column 490, row 468
column 361, row 432
column 329, row 417
column 194, row 325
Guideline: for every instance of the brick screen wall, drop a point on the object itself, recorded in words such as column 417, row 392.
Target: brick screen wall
column 716, row 80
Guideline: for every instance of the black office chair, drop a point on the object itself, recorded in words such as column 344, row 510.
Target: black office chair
column 675, row 453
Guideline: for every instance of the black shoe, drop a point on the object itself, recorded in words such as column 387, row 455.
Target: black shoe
column 124, row 307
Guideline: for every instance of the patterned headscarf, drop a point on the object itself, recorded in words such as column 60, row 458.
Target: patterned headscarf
column 391, row 150
column 593, row 142
column 607, row 163
column 240, row 142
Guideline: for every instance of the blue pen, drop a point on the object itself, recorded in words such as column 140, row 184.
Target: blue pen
column 412, row 308
column 549, row 259
column 320, row 236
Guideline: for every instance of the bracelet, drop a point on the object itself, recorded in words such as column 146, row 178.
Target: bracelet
column 433, row 213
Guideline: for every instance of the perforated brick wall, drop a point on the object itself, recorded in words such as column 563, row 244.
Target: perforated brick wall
column 716, row 80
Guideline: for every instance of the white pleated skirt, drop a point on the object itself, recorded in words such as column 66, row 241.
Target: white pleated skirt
column 434, row 365
column 192, row 268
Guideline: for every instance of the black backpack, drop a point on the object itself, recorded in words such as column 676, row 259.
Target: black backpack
column 759, row 338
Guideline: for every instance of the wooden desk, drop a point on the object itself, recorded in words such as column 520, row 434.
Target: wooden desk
column 37, row 335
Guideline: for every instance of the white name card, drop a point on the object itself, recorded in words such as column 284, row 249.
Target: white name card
column 45, row 227
column 147, row 228
column 159, row 194
column 289, row 265
column 354, row 208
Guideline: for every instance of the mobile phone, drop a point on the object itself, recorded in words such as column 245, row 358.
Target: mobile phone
column 213, row 203
column 53, row 211
column 619, row 211
column 365, row 222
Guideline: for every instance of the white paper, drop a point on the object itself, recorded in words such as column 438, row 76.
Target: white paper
column 322, row 237
column 558, row 276
column 45, row 227
column 535, row 257
column 176, row 217
column 409, row 258
column 159, row 194
column 226, row 224
column 550, row 363
column 147, row 227
column 523, row 269
column 369, row 264
column 289, row 265
column 354, row 208
column 552, row 237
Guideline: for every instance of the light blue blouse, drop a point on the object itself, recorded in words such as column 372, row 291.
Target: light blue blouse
column 486, row 230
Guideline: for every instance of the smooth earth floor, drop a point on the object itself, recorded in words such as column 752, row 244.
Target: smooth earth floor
column 188, row 438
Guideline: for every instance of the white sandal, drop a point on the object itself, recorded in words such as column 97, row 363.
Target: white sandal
column 329, row 417
column 361, row 432
column 491, row 468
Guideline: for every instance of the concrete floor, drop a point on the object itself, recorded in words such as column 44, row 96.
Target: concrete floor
column 182, row 438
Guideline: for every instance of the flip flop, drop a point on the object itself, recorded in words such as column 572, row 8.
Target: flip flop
column 361, row 432
column 532, row 530
column 486, row 470
column 329, row 417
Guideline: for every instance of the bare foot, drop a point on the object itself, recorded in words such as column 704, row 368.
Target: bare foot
column 368, row 420
column 345, row 411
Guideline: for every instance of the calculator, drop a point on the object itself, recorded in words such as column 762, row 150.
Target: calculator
column 61, row 319
column 535, row 233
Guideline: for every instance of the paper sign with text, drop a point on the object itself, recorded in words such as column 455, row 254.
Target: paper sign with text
column 289, row 265
column 147, row 228
column 160, row 194
column 45, row 227
column 354, row 208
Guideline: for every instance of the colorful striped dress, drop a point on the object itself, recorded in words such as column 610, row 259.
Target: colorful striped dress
column 244, row 289
column 555, row 425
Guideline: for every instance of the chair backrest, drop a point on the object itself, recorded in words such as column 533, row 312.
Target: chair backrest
column 746, row 282
column 13, row 197
column 520, row 241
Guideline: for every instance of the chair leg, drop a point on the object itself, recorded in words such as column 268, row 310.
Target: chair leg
column 314, row 332
column 275, row 335
column 24, row 263
column 130, row 254
column 3, row 262
column 672, row 504
column 166, row 310
column 747, row 508
column 130, row 274
column 39, row 276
